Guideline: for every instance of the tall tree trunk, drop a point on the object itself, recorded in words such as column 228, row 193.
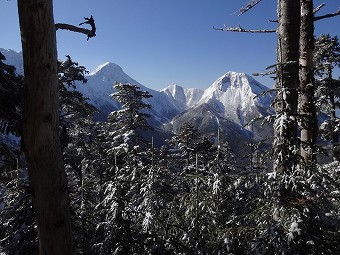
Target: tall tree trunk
column 287, row 82
column 335, row 135
column 41, row 127
column 306, row 102
column 288, row 53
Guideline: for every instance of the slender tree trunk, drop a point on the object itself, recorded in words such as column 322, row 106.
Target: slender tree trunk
column 287, row 81
column 335, row 135
column 41, row 127
column 306, row 102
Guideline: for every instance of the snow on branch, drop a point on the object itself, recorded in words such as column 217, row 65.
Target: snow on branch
column 242, row 30
column 89, row 33
column 318, row 8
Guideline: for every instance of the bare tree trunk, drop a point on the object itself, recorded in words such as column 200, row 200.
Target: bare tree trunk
column 41, row 127
column 306, row 102
column 287, row 81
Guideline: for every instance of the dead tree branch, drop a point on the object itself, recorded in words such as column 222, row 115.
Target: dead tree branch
column 249, row 5
column 318, row 8
column 275, row 66
column 330, row 15
column 283, row 64
column 89, row 33
column 242, row 30
column 265, row 74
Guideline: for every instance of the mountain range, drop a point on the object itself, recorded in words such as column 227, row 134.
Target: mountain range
column 228, row 104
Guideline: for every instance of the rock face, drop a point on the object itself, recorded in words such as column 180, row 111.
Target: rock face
column 228, row 104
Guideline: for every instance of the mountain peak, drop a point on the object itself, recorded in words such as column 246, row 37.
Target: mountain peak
column 230, row 80
column 173, row 90
column 234, row 80
column 110, row 73
column 234, row 96
column 106, row 68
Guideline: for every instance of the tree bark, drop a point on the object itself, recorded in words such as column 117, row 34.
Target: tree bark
column 41, row 127
column 287, row 82
column 306, row 87
column 288, row 52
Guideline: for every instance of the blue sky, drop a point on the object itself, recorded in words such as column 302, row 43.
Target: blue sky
column 161, row 42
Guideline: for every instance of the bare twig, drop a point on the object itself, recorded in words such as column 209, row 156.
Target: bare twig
column 89, row 33
column 249, row 5
column 282, row 64
column 265, row 74
column 242, row 30
column 318, row 8
column 271, row 66
column 330, row 15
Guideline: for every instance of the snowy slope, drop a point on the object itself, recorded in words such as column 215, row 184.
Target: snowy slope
column 184, row 98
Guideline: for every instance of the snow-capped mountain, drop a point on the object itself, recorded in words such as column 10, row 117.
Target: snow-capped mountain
column 99, row 87
column 234, row 96
column 229, row 103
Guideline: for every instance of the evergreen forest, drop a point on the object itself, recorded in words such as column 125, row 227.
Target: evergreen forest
column 71, row 184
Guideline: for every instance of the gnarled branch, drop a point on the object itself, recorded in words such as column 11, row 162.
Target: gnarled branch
column 89, row 33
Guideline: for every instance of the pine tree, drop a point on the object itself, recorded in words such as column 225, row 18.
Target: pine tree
column 73, row 105
column 78, row 136
column 326, row 58
column 123, row 207
column 11, row 98
column 132, row 116
column 186, row 143
column 18, row 227
column 18, row 230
